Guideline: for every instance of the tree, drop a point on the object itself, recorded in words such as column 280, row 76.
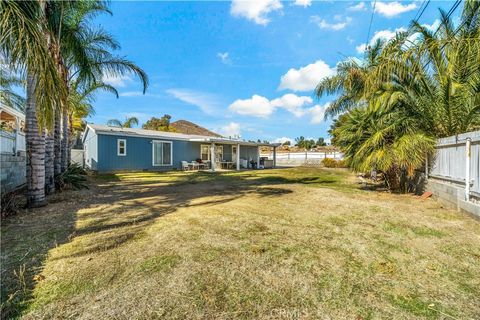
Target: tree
column 320, row 142
column 83, row 54
column 128, row 123
column 417, row 87
column 25, row 48
column 162, row 124
column 8, row 96
column 52, row 44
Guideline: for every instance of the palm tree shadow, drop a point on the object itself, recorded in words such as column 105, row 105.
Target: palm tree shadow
column 108, row 215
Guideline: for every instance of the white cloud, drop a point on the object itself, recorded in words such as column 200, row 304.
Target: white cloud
column 392, row 9
column 383, row 35
column 358, row 7
column 116, row 81
column 303, row 3
column 224, row 57
column 306, row 78
column 231, row 130
column 259, row 106
column 256, row 106
column 207, row 102
column 283, row 140
column 361, row 48
column 317, row 113
column 256, row 10
column 432, row 27
column 131, row 94
column 292, row 103
column 324, row 24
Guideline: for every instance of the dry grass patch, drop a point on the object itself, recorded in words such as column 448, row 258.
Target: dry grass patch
column 269, row 244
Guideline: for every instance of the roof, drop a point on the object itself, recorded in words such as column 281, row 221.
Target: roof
column 187, row 127
column 15, row 112
column 133, row 132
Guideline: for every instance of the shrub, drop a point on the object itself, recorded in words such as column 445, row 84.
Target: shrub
column 11, row 202
column 333, row 163
column 72, row 178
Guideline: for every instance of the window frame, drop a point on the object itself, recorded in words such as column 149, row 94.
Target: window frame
column 153, row 153
column 124, row 147
column 210, row 151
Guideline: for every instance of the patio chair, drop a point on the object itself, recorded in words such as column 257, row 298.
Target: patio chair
column 185, row 166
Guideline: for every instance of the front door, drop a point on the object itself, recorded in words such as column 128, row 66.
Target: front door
column 234, row 154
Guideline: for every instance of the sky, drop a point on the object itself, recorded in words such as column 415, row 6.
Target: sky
column 243, row 68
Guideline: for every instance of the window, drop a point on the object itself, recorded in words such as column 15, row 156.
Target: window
column 205, row 152
column 121, row 147
column 162, row 153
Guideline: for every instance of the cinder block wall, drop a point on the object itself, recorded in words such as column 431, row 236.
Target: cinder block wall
column 452, row 196
column 13, row 171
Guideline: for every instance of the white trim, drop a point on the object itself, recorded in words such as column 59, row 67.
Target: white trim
column 205, row 145
column 209, row 151
column 153, row 153
column 124, row 147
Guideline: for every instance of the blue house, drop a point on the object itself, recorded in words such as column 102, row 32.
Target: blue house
column 113, row 149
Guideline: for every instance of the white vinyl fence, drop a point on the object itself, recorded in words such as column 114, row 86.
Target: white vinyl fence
column 302, row 158
column 457, row 160
column 77, row 156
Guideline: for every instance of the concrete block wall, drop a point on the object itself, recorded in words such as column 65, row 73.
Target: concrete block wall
column 13, row 171
column 453, row 196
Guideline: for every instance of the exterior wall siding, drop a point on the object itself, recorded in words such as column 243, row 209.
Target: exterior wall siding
column 248, row 153
column 139, row 153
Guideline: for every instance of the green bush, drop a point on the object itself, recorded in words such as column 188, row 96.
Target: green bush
column 72, row 178
column 333, row 163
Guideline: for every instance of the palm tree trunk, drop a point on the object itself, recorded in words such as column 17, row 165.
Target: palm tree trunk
column 35, row 143
column 57, row 136
column 49, row 159
column 71, row 138
column 65, row 139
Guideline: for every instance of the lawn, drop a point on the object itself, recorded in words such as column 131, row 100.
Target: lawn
column 299, row 243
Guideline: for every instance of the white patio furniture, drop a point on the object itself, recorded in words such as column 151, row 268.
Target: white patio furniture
column 195, row 165
column 185, row 166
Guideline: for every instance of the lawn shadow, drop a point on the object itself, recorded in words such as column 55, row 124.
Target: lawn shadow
column 114, row 211
column 26, row 239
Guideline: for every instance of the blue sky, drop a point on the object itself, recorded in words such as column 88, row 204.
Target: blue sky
column 239, row 67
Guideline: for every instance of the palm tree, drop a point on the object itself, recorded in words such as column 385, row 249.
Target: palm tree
column 8, row 96
column 26, row 49
column 84, row 57
column 128, row 123
column 419, row 86
column 350, row 82
column 80, row 105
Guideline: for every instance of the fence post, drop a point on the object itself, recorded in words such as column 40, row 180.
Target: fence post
column 426, row 166
column 467, row 168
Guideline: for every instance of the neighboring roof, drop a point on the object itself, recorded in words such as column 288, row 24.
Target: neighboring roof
column 187, row 127
column 133, row 132
column 15, row 112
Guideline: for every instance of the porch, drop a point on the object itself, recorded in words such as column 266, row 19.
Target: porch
column 226, row 154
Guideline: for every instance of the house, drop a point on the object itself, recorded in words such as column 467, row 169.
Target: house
column 112, row 148
column 13, row 164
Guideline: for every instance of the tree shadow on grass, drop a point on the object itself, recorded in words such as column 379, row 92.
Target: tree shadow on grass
column 110, row 214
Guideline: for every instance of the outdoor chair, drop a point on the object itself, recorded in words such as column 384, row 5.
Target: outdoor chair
column 185, row 166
